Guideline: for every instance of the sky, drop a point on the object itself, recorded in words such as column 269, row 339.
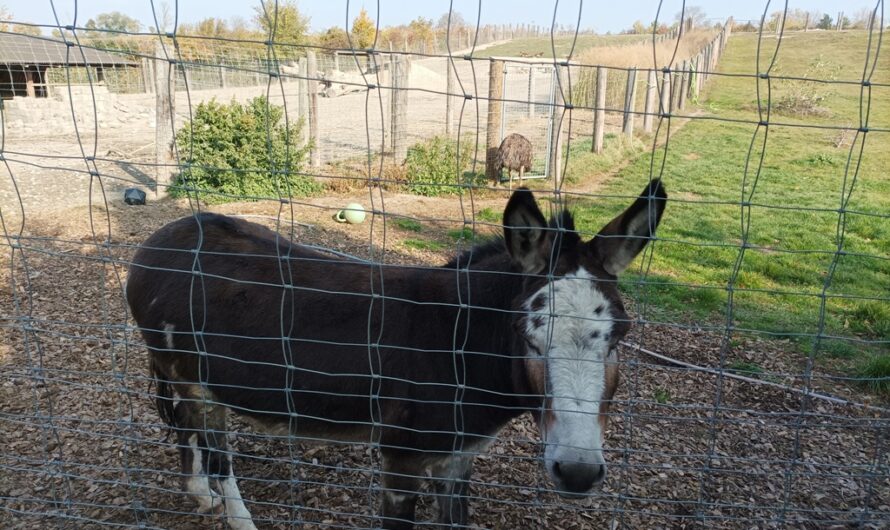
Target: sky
column 600, row 15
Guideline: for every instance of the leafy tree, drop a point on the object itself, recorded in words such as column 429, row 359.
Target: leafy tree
column 113, row 21
column 363, row 30
column 34, row 31
column 694, row 13
column 240, row 29
column 862, row 18
column 457, row 21
column 826, row 22
column 5, row 17
column 284, row 18
column 241, row 150
column 22, row 29
column 421, row 30
column 333, row 38
column 639, row 28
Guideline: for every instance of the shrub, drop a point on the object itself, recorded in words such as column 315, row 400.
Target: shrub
column 806, row 96
column 241, row 150
column 433, row 167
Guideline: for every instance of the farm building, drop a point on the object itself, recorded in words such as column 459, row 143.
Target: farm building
column 25, row 60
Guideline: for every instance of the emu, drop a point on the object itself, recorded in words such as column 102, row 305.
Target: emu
column 514, row 154
column 428, row 363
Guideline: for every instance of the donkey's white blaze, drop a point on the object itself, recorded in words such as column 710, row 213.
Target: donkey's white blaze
column 237, row 514
column 198, row 484
column 572, row 331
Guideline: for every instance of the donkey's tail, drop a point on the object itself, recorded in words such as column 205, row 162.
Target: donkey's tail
column 164, row 396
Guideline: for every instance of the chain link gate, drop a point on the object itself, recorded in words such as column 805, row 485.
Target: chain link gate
column 529, row 109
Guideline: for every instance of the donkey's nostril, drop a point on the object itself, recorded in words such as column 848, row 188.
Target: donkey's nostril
column 600, row 475
column 578, row 477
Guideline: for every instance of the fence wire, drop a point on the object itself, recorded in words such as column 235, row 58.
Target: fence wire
column 754, row 379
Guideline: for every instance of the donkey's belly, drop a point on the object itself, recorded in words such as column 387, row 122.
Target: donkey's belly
column 310, row 430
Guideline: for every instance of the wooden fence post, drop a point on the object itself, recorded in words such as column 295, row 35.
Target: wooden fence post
column 165, row 112
column 399, row 100
column 449, row 100
column 665, row 102
column 148, row 78
column 312, row 89
column 599, row 111
column 630, row 97
column 709, row 61
column 649, row 109
column 495, row 109
column 531, row 91
column 682, row 89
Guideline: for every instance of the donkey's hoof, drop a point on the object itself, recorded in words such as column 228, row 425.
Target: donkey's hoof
column 237, row 523
column 216, row 506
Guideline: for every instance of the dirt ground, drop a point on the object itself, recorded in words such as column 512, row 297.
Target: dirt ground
column 83, row 446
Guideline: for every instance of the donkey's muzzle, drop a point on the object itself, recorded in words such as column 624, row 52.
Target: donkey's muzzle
column 576, row 479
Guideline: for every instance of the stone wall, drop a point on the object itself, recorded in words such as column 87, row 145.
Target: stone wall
column 82, row 105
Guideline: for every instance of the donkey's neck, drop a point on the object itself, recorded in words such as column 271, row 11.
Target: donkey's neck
column 477, row 303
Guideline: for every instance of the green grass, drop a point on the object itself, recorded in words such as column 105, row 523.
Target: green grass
column 875, row 372
column 424, row 244
column 583, row 163
column 488, row 215
column 466, row 234
column 409, row 225
column 745, row 368
column 543, row 45
column 792, row 240
column 661, row 396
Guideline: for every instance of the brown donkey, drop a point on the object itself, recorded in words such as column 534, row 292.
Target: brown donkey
column 428, row 363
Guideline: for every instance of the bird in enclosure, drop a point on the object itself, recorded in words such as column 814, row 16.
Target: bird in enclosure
column 515, row 154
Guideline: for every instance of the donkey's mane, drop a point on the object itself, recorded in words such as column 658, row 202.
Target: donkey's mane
column 563, row 224
column 479, row 253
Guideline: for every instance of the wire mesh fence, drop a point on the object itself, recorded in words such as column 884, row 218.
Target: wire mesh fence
column 292, row 353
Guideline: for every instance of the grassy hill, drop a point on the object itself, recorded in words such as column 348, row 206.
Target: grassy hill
column 781, row 230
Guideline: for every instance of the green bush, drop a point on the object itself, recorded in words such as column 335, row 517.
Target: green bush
column 241, row 151
column 433, row 167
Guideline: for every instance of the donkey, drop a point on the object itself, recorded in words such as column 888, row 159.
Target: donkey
column 428, row 363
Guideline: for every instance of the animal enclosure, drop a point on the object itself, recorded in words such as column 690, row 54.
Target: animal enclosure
column 683, row 325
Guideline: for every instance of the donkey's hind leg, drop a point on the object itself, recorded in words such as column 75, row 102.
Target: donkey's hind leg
column 207, row 422
column 193, row 458
column 402, row 478
column 451, row 480
column 237, row 514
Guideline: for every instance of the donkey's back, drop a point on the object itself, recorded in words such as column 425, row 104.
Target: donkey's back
column 249, row 320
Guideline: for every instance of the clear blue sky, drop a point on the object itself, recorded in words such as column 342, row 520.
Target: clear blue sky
column 601, row 15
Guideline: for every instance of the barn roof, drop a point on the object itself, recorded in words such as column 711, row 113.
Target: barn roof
column 28, row 50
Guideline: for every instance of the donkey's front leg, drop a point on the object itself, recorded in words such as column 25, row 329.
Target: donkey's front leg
column 451, row 478
column 402, row 477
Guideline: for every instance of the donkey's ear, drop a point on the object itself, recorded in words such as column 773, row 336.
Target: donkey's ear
column 525, row 232
column 619, row 242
